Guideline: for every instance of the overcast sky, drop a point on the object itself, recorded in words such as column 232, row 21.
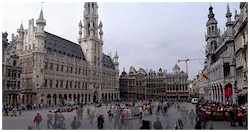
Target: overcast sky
column 148, row 35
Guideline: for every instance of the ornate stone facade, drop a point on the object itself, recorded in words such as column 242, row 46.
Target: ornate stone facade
column 221, row 63
column 138, row 85
column 241, row 52
column 58, row 71
column 11, row 72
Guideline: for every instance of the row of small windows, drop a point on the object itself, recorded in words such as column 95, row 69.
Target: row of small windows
column 12, row 84
column 13, row 73
column 68, row 84
column 30, row 47
column 177, row 88
column 68, row 69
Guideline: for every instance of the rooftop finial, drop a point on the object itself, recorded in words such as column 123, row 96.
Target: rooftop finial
column 116, row 54
column 41, row 15
column 80, row 23
column 21, row 26
column 21, row 29
column 211, row 14
column 228, row 14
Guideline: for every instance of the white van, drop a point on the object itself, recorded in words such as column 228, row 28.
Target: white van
column 194, row 100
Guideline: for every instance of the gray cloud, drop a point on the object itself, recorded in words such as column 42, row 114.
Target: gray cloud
column 149, row 35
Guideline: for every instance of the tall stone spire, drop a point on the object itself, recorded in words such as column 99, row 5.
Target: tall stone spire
column 100, row 30
column 20, row 39
column 80, row 31
column 211, row 19
column 236, row 15
column 116, row 62
column 211, row 13
column 229, row 23
column 213, row 33
column 211, row 23
column 41, row 15
column 21, row 28
column 228, row 16
column 90, row 19
column 116, row 54
column 41, row 22
column 90, row 41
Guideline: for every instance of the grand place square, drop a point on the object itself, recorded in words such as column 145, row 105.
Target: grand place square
column 125, row 66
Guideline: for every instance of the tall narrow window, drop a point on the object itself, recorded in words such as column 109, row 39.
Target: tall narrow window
column 46, row 65
column 67, row 83
column 45, row 83
column 51, row 84
column 51, row 66
column 57, row 67
column 61, row 68
column 57, row 82
column 61, row 83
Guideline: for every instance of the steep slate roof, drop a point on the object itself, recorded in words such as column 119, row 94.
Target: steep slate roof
column 63, row 46
column 107, row 61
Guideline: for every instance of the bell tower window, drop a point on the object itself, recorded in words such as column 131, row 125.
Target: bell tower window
column 212, row 28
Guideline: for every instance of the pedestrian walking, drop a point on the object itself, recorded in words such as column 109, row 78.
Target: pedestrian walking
column 88, row 111
column 180, row 124
column 61, row 121
column 37, row 120
column 91, row 118
column 211, row 126
column 117, row 119
column 75, row 124
column 110, row 115
column 123, row 118
column 19, row 109
column 145, row 125
column 56, row 121
column 157, row 124
column 192, row 116
column 6, row 111
column 176, row 126
column 81, row 113
column 77, row 113
column 240, row 118
column 50, row 120
column 100, row 121
column 198, row 124
column 232, row 118
column 14, row 111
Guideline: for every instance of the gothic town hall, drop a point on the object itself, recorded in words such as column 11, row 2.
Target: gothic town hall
column 57, row 71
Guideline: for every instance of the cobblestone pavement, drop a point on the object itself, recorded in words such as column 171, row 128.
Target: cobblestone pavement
column 168, row 120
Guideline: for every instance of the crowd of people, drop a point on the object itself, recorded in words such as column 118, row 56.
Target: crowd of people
column 221, row 112
column 127, row 115
column 14, row 111
column 121, row 115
